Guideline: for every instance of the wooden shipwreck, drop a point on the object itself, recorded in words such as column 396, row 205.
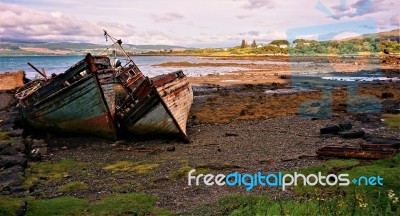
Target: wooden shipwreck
column 96, row 97
column 71, row 102
column 159, row 105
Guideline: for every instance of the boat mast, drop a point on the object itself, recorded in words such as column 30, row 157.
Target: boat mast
column 118, row 42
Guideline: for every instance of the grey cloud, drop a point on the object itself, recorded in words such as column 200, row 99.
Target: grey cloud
column 359, row 8
column 367, row 26
column 21, row 23
column 395, row 20
column 257, row 4
column 167, row 17
column 254, row 33
column 243, row 16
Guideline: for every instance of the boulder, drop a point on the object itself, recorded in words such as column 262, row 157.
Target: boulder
column 5, row 144
column 15, row 133
column 38, row 143
column 12, row 160
column 391, row 106
column 387, row 95
column 11, row 177
column 354, row 134
column 330, row 129
column 171, row 148
column 345, row 125
column 9, row 151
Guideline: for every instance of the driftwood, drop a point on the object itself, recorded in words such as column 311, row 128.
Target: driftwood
column 352, row 152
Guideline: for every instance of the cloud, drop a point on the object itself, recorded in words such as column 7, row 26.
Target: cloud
column 395, row 20
column 20, row 23
column 243, row 16
column 167, row 17
column 257, row 4
column 358, row 8
column 367, row 26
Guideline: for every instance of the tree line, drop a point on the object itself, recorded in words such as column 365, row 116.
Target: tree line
column 313, row 47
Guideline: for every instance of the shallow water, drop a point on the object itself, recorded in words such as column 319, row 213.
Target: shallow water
column 360, row 79
column 58, row 64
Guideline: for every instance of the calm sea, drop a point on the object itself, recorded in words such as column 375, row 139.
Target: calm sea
column 58, row 64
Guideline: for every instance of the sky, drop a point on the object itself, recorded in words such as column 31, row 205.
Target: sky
column 194, row 23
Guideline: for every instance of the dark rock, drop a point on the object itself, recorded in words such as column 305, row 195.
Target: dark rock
column 171, row 148
column 38, row 143
column 391, row 106
column 11, row 177
column 330, row 129
column 381, row 140
column 387, row 95
column 9, row 151
column 5, row 144
column 345, row 125
column 6, row 127
column 9, row 161
column 21, row 211
column 367, row 118
column 16, row 189
column 231, row 134
column 15, row 133
column 19, row 147
column 35, row 157
column 120, row 143
column 11, row 118
column 352, row 134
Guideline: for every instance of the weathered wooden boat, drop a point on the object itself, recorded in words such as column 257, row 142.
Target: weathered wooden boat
column 157, row 106
column 71, row 102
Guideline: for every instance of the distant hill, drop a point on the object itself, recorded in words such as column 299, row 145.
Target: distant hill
column 393, row 35
column 9, row 47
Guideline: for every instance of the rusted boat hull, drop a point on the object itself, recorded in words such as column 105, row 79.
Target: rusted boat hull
column 159, row 106
column 72, row 102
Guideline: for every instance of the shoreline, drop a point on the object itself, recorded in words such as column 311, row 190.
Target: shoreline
column 252, row 121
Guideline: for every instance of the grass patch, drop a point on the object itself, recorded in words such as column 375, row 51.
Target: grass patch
column 73, row 187
column 330, row 200
column 57, row 206
column 4, row 136
column 129, row 166
column 324, row 168
column 144, row 168
column 47, row 172
column 8, row 205
column 227, row 205
column 184, row 170
column 116, row 204
column 392, row 120
column 127, row 204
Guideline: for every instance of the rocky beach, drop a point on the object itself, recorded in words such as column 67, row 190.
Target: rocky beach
column 257, row 119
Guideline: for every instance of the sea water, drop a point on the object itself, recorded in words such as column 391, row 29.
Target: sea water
column 147, row 64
